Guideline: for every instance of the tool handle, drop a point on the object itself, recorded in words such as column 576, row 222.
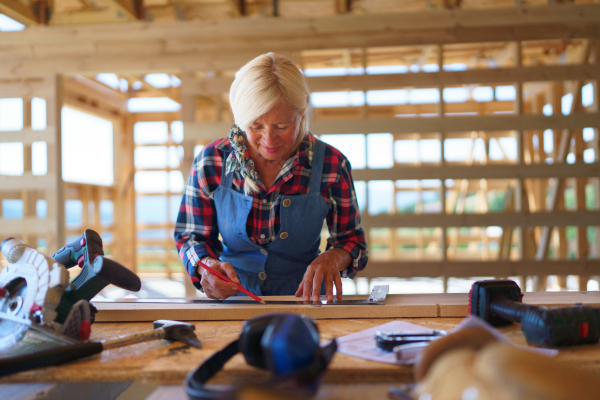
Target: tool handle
column 510, row 310
column 87, row 245
column 45, row 358
column 117, row 274
column 564, row 326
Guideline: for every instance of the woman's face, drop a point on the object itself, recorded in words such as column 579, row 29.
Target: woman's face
column 273, row 135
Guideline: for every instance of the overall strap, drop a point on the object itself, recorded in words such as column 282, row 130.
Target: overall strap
column 226, row 178
column 317, row 167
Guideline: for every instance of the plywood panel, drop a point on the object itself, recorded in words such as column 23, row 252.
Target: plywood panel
column 397, row 306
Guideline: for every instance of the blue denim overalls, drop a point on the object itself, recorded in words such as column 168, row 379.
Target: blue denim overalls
column 276, row 269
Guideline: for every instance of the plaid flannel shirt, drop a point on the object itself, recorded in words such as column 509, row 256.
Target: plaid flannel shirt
column 197, row 231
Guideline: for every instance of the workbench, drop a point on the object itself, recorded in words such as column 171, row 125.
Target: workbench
column 162, row 363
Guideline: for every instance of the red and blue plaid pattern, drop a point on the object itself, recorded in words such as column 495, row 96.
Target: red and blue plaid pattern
column 197, row 232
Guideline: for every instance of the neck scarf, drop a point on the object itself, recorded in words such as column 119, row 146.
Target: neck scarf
column 238, row 158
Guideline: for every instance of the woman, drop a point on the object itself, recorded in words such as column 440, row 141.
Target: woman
column 267, row 188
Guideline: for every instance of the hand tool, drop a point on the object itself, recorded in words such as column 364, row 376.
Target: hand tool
column 378, row 296
column 388, row 340
column 499, row 302
column 226, row 279
column 163, row 329
column 35, row 292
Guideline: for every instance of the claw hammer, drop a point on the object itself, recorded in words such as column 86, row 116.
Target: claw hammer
column 163, row 329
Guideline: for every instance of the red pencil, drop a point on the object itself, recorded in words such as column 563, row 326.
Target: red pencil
column 226, row 279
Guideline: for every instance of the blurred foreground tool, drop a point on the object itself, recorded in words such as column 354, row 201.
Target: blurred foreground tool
column 163, row 329
column 474, row 365
column 35, row 292
column 499, row 302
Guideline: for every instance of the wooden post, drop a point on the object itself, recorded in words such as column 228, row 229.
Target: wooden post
column 188, row 114
column 55, row 196
column 520, row 154
column 441, row 112
column 28, row 196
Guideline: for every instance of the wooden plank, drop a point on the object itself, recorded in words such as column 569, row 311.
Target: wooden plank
column 398, row 27
column 19, row 12
column 397, row 306
column 27, row 88
column 466, row 268
column 27, row 135
column 425, row 79
column 453, row 124
column 172, row 47
column 214, row 130
column 405, row 220
column 27, row 181
column 528, row 171
column 27, row 225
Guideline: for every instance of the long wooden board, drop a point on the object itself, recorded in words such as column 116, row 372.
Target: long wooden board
column 397, row 306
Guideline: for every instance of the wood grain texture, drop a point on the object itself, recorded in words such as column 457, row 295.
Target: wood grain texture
column 397, row 306
column 163, row 363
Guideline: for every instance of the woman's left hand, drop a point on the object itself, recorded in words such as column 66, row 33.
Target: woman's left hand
column 326, row 267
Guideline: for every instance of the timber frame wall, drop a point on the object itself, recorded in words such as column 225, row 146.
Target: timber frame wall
column 203, row 54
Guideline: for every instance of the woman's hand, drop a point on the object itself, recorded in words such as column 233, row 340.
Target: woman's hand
column 215, row 287
column 326, row 267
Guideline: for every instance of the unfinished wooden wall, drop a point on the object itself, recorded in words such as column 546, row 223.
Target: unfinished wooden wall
column 451, row 242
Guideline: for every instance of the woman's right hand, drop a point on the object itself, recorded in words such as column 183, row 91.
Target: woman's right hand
column 215, row 287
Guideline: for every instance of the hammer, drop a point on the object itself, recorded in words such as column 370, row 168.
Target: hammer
column 498, row 302
column 163, row 329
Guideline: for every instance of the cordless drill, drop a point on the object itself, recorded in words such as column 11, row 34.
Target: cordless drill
column 96, row 272
column 499, row 302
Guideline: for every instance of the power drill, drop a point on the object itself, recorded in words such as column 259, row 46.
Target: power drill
column 96, row 272
column 499, row 302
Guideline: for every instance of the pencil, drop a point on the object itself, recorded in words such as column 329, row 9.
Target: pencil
column 226, row 279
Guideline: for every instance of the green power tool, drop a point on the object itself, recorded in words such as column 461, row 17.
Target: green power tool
column 35, row 292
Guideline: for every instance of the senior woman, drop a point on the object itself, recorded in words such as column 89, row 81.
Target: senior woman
column 266, row 189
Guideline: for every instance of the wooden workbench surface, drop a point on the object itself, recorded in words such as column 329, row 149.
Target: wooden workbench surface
column 397, row 306
column 163, row 363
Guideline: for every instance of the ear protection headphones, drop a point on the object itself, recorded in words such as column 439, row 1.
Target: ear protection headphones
column 285, row 344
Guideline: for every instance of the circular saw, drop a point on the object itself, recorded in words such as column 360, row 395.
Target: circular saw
column 35, row 292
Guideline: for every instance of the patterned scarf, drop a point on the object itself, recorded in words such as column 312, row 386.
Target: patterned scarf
column 238, row 156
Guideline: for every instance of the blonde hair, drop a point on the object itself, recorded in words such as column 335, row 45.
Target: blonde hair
column 263, row 82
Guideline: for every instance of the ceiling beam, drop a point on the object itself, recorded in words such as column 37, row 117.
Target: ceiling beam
column 238, row 7
column 126, row 7
column 18, row 11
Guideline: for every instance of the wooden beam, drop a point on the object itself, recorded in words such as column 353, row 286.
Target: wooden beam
column 422, row 79
column 405, row 220
column 27, row 225
column 238, row 7
column 27, row 88
column 28, row 136
column 528, row 171
column 126, row 7
column 27, row 181
column 456, row 124
column 19, row 12
column 408, row 269
column 215, row 130
column 216, row 46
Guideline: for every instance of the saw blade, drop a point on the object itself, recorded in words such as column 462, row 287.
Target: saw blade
column 16, row 304
column 34, row 282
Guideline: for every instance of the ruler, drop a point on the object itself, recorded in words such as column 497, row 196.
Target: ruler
column 378, row 296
